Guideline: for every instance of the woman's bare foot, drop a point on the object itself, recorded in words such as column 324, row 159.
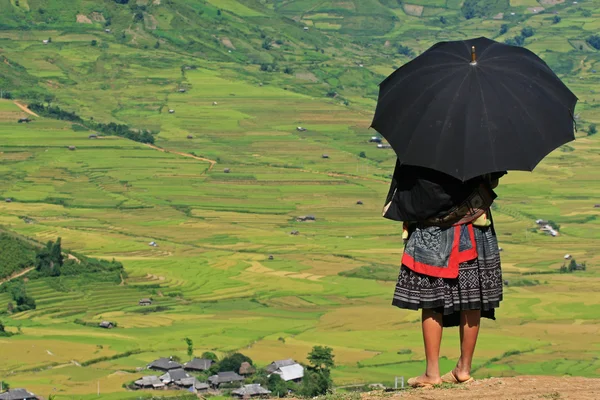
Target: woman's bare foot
column 461, row 375
column 424, row 380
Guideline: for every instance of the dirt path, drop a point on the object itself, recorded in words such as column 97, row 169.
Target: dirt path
column 16, row 275
column 521, row 388
column 24, row 108
column 212, row 162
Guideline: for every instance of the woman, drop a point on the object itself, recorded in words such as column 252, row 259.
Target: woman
column 451, row 264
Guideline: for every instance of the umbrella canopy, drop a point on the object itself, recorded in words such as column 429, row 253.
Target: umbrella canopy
column 467, row 108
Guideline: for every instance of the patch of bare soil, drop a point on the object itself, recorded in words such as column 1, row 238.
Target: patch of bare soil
column 83, row 19
column 227, row 43
column 307, row 76
column 97, row 17
column 150, row 21
column 413, row 10
column 25, row 109
column 535, row 9
column 521, row 388
column 498, row 16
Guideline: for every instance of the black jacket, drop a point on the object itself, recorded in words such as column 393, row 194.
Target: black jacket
column 417, row 193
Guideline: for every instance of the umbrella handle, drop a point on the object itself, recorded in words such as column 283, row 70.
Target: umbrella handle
column 473, row 56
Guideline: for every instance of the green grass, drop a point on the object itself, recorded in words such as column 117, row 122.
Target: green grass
column 210, row 277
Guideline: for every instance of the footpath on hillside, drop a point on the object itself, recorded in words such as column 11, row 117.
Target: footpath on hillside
column 517, row 388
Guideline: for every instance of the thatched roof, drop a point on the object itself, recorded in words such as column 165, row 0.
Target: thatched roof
column 246, row 368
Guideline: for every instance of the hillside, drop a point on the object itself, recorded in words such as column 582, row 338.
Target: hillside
column 220, row 190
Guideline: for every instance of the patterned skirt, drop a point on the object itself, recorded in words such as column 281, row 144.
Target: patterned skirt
column 478, row 286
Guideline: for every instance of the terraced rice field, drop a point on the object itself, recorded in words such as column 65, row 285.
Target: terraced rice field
column 210, row 278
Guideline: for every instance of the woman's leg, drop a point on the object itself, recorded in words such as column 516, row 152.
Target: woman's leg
column 432, row 337
column 469, row 329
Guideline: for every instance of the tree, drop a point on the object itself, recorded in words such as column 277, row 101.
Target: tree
column 94, row 42
column 288, row 70
column 49, row 40
column 592, row 130
column 4, row 386
column 556, row 19
column 315, row 383
column 572, row 265
column 503, row 29
column 2, row 328
column 277, row 386
column 267, row 44
column 138, row 17
column 362, row 154
column 594, row 41
column 405, row 50
column 233, row 362
column 443, row 20
column 321, row 358
column 157, row 44
column 527, row 32
column 190, row 347
column 516, row 41
column 209, row 355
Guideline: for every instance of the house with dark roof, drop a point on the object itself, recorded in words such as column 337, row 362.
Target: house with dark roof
column 174, row 375
column 224, row 378
column 254, row 390
column 149, row 382
column 198, row 364
column 194, row 384
column 18, row 394
column 106, row 325
column 164, row 364
column 275, row 365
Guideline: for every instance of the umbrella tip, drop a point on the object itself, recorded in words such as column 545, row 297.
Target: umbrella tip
column 473, row 56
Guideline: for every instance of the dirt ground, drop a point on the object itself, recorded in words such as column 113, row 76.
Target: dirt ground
column 518, row 388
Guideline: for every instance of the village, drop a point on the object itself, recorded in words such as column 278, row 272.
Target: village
column 234, row 375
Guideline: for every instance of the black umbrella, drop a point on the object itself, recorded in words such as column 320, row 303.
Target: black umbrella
column 467, row 108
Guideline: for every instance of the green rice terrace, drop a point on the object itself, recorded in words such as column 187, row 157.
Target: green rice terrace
column 230, row 120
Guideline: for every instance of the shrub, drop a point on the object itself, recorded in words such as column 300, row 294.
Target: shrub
column 503, row 29
column 362, row 154
column 592, row 130
column 94, row 42
column 556, row 19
